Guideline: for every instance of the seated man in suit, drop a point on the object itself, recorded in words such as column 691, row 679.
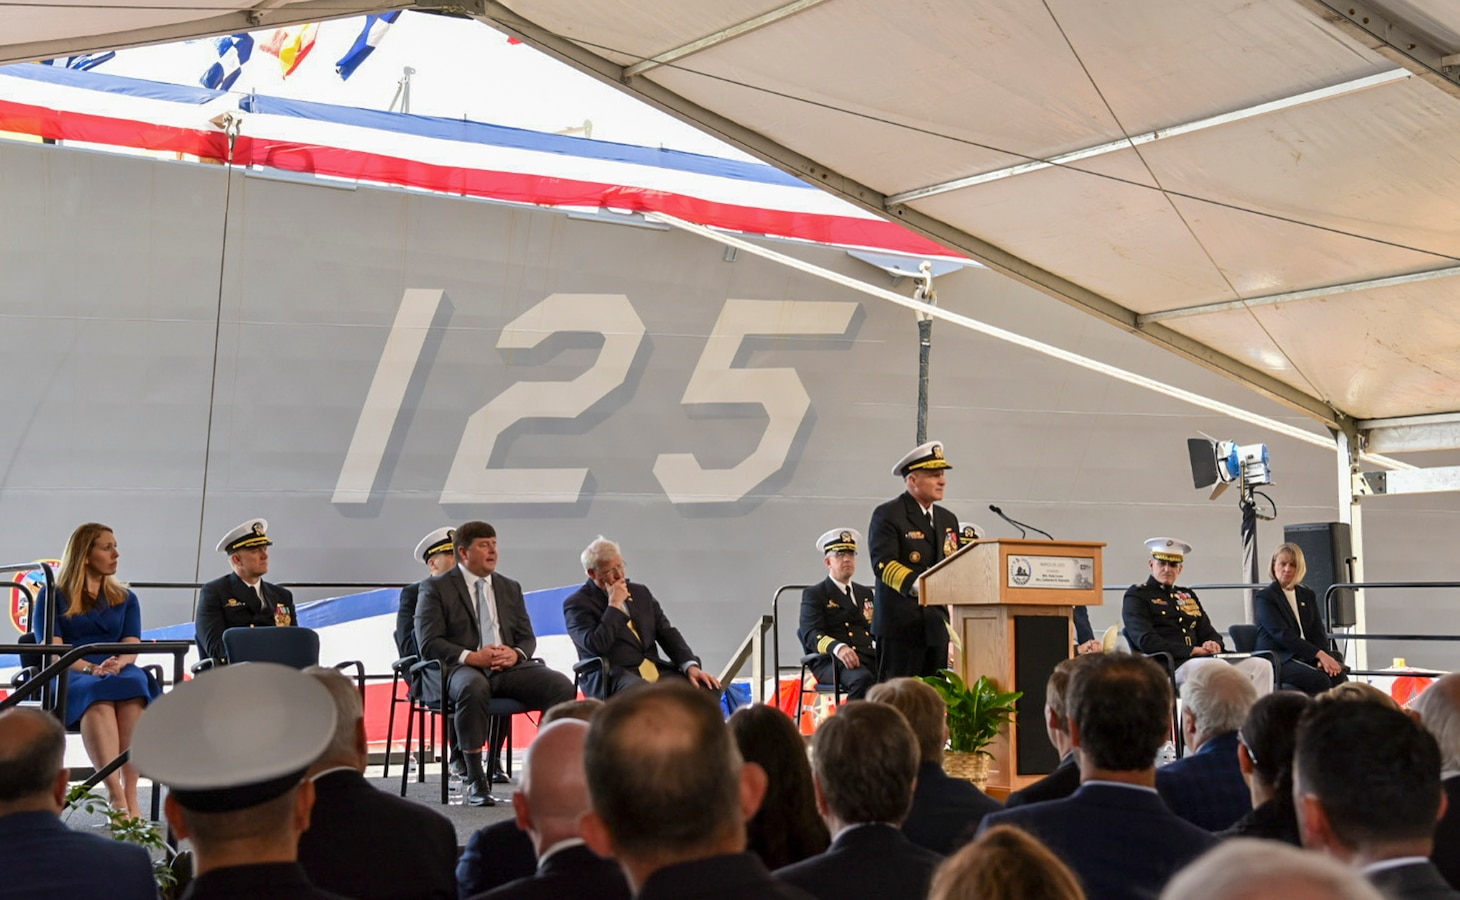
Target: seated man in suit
column 550, row 804
column 1114, row 833
column 363, row 842
column 624, row 624
column 1065, row 779
column 836, row 617
column 241, row 598
column 474, row 621
column 1439, row 711
column 671, row 796
column 945, row 811
column 864, row 761
column 47, row 858
column 1366, row 782
column 1206, row 787
column 438, row 553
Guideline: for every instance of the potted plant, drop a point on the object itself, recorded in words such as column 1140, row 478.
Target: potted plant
column 130, row 830
column 976, row 712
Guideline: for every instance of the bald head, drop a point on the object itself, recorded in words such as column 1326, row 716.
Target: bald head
column 32, row 749
column 554, row 794
column 1439, row 712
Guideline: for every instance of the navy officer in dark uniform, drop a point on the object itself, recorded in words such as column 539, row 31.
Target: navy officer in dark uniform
column 241, row 598
column 836, row 618
column 909, row 534
column 438, row 553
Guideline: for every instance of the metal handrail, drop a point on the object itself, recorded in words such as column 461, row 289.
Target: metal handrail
column 753, row 644
column 58, row 670
column 48, row 627
column 776, row 625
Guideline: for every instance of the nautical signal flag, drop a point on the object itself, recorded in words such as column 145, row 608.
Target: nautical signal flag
column 233, row 51
column 291, row 45
column 370, row 38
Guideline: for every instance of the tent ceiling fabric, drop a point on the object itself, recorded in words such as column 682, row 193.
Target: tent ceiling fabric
column 1331, row 161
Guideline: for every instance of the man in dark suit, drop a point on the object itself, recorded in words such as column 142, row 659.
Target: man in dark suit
column 1439, row 711
column 242, row 598
column 909, row 534
column 47, row 858
column 1065, row 779
column 836, row 618
column 475, row 623
column 671, row 796
column 550, row 804
column 1206, row 787
column 1292, row 626
column 438, row 553
column 362, row 842
column 1114, row 833
column 624, row 624
column 1366, row 783
column 864, row 763
column 945, row 811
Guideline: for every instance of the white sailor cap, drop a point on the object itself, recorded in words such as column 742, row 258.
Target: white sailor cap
column 438, row 541
column 924, row 456
column 1169, row 549
column 235, row 736
column 968, row 531
column 252, row 533
column 839, row 539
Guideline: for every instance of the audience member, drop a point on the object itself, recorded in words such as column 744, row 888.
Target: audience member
column 233, row 747
column 501, row 852
column 1290, row 624
column 1242, row 869
column 1265, row 753
column 473, row 620
column 945, row 811
column 1367, row 788
column 105, row 693
column 865, row 760
column 836, row 618
column 550, row 804
column 1065, row 779
column 1360, row 691
column 671, row 797
column 45, row 858
column 1005, row 864
column 363, row 842
column 1205, row 787
column 241, row 599
column 626, row 626
column 786, row 829
column 1439, row 711
column 1114, row 832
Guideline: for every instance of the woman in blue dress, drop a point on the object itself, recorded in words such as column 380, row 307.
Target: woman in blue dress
column 106, row 694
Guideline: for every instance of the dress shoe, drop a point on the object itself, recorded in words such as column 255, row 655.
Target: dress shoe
column 499, row 776
column 479, row 793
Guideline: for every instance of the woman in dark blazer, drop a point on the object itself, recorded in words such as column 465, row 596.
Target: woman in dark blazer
column 1289, row 624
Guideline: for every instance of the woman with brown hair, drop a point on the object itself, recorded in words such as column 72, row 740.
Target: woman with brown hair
column 105, row 693
column 1005, row 863
column 786, row 829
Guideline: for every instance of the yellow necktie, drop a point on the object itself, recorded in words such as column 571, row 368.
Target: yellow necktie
column 647, row 670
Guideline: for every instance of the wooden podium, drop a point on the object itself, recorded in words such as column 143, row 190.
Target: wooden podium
column 1010, row 603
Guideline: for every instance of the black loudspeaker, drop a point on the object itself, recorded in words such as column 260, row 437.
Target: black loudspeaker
column 1327, row 547
column 1040, row 644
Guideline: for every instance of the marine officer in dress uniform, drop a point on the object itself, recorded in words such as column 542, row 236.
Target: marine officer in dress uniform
column 909, row 534
column 233, row 746
column 1162, row 616
column 836, row 618
column 241, row 598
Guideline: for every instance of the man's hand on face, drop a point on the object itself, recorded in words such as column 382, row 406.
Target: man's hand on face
column 618, row 593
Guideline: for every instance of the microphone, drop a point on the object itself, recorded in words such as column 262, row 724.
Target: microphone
column 1019, row 525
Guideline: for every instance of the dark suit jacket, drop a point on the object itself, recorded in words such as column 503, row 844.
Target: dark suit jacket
column 446, row 618
column 1417, row 881
column 405, row 621
column 598, row 629
column 903, row 547
column 495, row 855
column 945, row 811
column 1206, row 788
column 369, row 845
column 874, row 861
column 568, row 873
column 1279, row 631
column 1060, row 783
column 735, row 876
column 1122, row 842
column 1446, row 855
column 227, row 602
column 828, row 618
column 277, row 881
column 48, row 860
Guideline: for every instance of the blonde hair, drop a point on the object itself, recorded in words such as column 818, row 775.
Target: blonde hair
column 1296, row 553
column 1005, row 863
column 72, row 578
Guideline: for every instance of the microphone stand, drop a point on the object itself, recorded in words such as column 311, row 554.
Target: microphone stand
column 1019, row 525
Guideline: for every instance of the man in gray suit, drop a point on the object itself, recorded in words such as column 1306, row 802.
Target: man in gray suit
column 474, row 621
